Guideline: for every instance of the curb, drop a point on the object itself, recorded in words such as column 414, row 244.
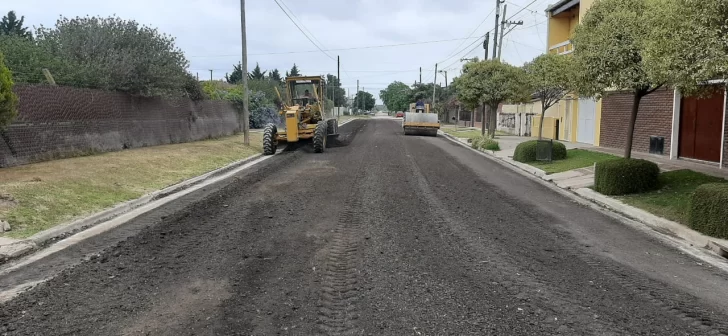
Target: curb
column 655, row 223
column 47, row 237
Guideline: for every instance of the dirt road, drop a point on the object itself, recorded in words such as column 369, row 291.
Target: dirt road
column 381, row 235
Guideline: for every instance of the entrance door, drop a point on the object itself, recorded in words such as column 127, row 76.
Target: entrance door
column 701, row 125
column 585, row 128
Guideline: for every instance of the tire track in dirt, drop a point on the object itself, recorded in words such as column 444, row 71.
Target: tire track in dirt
column 683, row 308
column 531, row 292
column 338, row 311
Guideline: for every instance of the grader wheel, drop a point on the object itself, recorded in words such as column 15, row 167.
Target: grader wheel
column 270, row 143
column 319, row 137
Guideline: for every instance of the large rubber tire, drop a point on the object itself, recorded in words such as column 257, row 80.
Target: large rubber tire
column 319, row 137
column 332, row 126
column 270, row 143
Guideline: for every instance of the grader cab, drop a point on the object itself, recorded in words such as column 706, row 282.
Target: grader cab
column 303, row 114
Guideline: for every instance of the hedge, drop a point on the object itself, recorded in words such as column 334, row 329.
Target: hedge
column 526, row 151
column 484, row 143
column 708, row 210
column 626, row 176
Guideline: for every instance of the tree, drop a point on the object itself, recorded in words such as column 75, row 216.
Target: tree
column 8, row 99
column 491, row 83
column 293, row 72
column 688, row 43
column 236, row 76
column 26, row 58
column 396, row 96
column 334, row 91
column 275, row 75
column 115, row 54
column 10, row 25
column 608, row 49
column 256, row 73
column 549, row 76
column 364, row 100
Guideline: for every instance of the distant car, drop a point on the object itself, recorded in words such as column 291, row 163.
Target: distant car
column 399, row 115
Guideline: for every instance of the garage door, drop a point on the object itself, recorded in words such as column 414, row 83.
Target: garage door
column 585, row 125
column 701, row 127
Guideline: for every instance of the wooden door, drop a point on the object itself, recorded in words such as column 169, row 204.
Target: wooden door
column 701, row 125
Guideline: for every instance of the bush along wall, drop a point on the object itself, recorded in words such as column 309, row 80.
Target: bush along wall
column 709, row 210
column 626, row 176
column 526, row 151
column 484, row 143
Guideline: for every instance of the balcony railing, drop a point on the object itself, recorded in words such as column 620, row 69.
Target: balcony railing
column 562, row 48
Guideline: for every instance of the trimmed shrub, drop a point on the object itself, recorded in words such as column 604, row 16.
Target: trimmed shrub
column 626, row 176
column 484, row 143
column 8, row 99
column 526, row 151
column 708, row 211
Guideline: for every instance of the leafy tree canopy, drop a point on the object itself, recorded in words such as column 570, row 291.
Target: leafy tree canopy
column 549, row 76
column 364, row 100
column 396, row 96
column 256, row 73
column 115, row 54
column 235, row 77
column 608, row 47
column 334, row 91
column 274, row 75
column 10, row 25
column 8, row 99
column 687, row 43
column 294, row 71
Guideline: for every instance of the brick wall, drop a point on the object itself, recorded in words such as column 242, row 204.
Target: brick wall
column 653, row 119
column 56, row 122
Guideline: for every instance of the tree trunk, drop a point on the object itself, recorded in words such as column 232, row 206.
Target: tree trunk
column 540, row 123
column 482, row 121
column 638, row 94
column 492, row 120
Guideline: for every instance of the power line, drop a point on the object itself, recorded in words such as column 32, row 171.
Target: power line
column 340, row 49
column 304, row 26
column 473, row 32
column 526, row 9
column 301, row 30
column 491, row 30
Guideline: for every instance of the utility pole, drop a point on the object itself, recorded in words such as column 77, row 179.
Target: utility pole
column 444, row 71
column 198, row 76
column 497, row 24
column 485, row 45
column 434, row 83
column 505, row 23
column 502, row 30
column 244, row 68
column 420, row 75
column 338, row 83
column 356, row 94
column 211, row 75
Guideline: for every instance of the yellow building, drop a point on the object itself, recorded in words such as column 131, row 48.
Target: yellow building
column 574, row 119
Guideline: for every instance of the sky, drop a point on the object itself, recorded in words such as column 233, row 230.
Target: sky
column 426, row 32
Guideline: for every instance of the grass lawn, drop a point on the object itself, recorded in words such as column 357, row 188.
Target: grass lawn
column 38, row 196
column 575, row 158
column 671, row 201
column 469, row 133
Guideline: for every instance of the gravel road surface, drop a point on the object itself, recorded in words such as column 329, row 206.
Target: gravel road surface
column 380, row 235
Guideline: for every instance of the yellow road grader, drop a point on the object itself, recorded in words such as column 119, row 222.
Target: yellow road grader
column 304, row 116
column 420, row 121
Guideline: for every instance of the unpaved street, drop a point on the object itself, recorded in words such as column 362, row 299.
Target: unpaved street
column 381, row 235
